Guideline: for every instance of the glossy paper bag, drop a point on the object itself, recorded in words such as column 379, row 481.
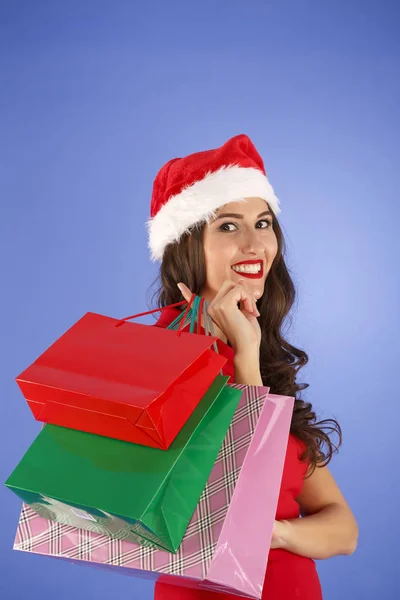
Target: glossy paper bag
column 226, row 545
column 122, row 380
column 121, row 489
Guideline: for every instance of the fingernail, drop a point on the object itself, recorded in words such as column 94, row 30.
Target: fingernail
column 179, row 286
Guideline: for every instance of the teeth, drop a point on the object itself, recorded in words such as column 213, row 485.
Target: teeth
column 247, row 269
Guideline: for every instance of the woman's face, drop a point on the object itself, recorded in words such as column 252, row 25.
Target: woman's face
column 239, row 243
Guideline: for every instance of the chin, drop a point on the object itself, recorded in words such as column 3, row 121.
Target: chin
column 257, row 293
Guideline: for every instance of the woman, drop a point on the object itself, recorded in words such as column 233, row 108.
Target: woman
column 214, row 227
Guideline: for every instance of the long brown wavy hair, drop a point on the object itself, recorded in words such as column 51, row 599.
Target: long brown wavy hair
column 279, row 360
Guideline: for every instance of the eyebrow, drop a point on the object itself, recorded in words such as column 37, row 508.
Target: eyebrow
column 239, row 216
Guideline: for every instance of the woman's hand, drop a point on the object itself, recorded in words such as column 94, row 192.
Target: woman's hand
column 278, row 535
column 235, row 313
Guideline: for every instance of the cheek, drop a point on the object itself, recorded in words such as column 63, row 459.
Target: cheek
column 218, row 259
column 271, row 247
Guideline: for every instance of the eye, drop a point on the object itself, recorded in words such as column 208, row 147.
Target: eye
column 264, row 224
column 227, row 227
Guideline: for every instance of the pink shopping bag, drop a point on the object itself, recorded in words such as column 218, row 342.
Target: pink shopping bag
column 226, row 545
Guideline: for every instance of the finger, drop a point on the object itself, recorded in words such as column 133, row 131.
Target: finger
column 249, row 303
column 255, row 311
column 186, row 293
column 226, row 287
column 248, row 306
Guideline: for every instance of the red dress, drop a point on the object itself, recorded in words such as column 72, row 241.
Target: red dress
column 288, row 576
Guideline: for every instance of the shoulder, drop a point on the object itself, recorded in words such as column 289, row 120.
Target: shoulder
column 166, row 317
column 296, row 446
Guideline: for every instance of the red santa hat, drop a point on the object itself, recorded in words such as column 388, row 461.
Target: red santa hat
column 188, row 191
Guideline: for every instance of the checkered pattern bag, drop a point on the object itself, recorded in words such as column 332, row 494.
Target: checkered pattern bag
column 194, row 560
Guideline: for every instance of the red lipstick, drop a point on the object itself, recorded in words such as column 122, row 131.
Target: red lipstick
column 257, row 275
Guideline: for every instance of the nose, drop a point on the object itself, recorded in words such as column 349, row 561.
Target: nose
column 252, row 243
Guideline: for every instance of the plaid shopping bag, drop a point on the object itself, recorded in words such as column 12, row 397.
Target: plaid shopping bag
column 125, row 490
column 231, row 528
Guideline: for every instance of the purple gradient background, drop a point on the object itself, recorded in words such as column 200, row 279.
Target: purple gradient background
column 95, row 97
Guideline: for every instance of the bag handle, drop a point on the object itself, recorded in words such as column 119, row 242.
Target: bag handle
column 199, row 310
column 196, row 307
column 148, row 312
column 188, row 318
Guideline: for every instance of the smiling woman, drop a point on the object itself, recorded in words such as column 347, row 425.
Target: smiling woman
column 214, row 227
column 240, row 242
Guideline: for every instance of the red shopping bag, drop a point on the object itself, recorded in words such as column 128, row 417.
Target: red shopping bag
column 226, row 545
column 122, row 380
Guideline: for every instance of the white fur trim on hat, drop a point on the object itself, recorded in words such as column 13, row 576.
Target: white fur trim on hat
column 198, row 202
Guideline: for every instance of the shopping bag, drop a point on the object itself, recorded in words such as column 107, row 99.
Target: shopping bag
column 121, row 489
column 226, row 545
column 122, row 380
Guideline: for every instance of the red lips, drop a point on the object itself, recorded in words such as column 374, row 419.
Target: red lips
column 257, row 275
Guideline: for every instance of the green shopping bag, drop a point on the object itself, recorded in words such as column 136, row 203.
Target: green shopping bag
column 124, row 490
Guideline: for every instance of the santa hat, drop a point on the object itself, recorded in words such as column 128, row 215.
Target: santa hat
column 187, row 191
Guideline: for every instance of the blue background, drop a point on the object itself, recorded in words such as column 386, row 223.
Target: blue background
column 96, row 96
